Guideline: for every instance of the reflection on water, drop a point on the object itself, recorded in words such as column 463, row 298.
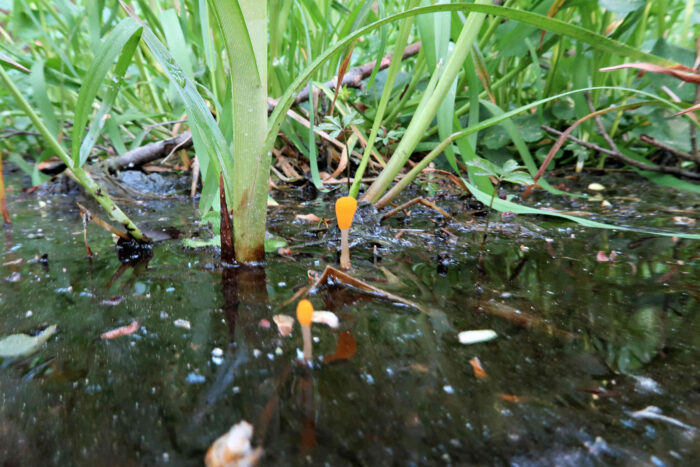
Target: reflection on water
column 585, row 345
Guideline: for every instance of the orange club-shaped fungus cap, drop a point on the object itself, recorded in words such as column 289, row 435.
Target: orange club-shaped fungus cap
column 305, row 311
column 345, row 209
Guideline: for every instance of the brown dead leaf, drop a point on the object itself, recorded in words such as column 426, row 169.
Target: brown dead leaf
column 511, row 398
column 679, row 71
column 345, row 347
column 233, row 449
column 479, row 371
column 122, row 331
column 347, row 279
column 419, row 367
column 285, row 324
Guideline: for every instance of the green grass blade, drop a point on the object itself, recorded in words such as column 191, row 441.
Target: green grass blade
column 550, row 24
column 112, row 46
column 176, row 41
column 401, row 40
column 210, row 144
column 37, row 80
column 99, row 120
column 509, row 206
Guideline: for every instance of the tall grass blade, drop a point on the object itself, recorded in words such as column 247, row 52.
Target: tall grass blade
column 126, row 32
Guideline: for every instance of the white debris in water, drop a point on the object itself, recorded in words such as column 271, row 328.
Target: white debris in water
column 474, row 337
column 647, row 385
column 448, row 389
column 182, row 323
column 217, row 352
column 256, row 353
column 655, row 413
column 596, row 187
column 194, row 378
column 28, row 314
column 325, row 317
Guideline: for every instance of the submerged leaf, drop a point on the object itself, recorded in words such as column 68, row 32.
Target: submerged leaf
column 285, row 324
column 479, row 371
column 17, row 345
column 345, row 347
column 233, row 448
column 121, row 331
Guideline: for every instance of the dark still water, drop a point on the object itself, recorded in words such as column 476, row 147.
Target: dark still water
column 594, row 362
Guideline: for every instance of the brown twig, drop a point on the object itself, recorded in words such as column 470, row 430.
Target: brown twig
column 3, row 201
column 669, row 149
column 414, row 201
column 354, row 77
column 640, row 165
column 150, row 152
column 108, row 227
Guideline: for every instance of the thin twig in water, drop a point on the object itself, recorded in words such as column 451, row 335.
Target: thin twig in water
column 422, row 201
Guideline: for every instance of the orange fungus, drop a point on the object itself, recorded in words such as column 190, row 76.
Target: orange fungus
column 345, row 209
column 305, row 310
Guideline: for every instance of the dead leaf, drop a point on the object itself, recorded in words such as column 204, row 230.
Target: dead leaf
column 479, row 371
column 688, row 110
column 678, row 71
column 419, row 367
column 114, row 301
column 122, row 331
column 682, row 220
column 345, row 347
column 511, row 398
column 347, row 279
column 285, row 324
column 233, row 448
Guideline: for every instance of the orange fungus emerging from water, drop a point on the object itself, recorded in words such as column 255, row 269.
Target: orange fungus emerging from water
column 345, row 209
column 305, row 311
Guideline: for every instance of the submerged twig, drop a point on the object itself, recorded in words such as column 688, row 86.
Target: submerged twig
column 419, row 200
column 105, row 225
column 333, row 273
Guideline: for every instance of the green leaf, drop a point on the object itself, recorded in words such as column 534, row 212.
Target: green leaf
column 38, row 82
column 556, row 26
column 17, row 345
column 209, row 143
column 121, row 42
column 503, row 206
